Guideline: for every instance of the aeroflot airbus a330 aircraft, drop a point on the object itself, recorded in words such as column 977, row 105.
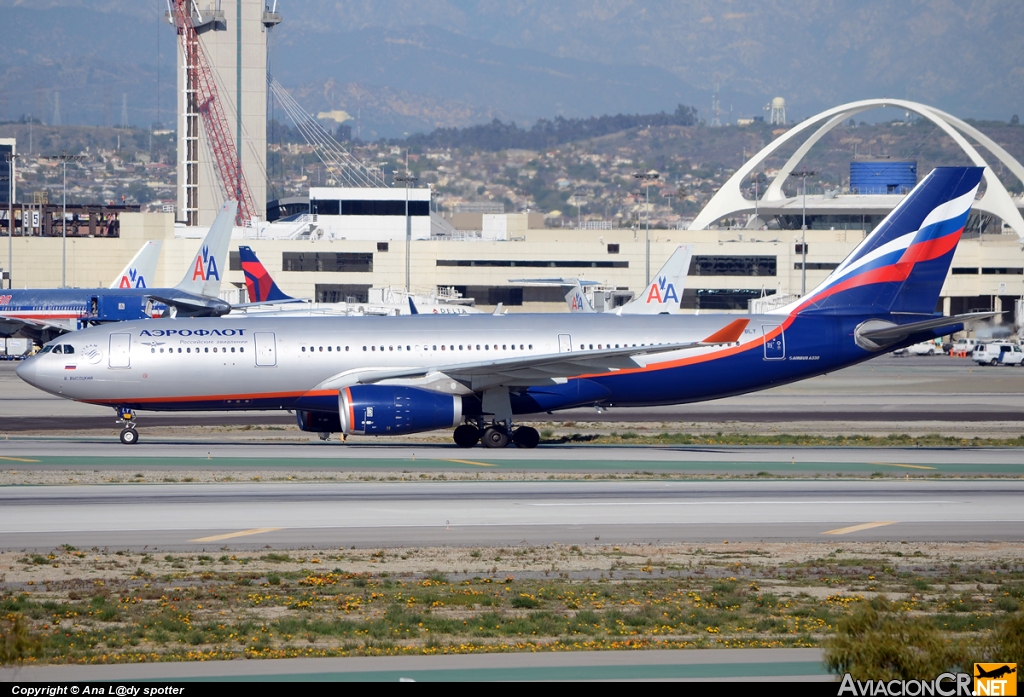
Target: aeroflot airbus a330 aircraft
column 398, row 375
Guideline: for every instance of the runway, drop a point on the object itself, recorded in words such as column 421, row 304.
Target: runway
column 416, row 514
column 746, row 665
column 28, row 455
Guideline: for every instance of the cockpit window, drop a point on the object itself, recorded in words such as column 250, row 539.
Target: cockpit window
column 68, row 348
column 58, row 349
column 45, row 349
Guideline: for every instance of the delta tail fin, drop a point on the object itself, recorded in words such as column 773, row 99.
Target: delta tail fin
column 577, row 300
column 209, row 265
column 262, row 288
column 901, row 266
column 665, row 291
column 141, row 270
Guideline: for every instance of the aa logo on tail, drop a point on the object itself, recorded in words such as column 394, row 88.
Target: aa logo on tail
column 662, row 292
column 206, row 266
column 133, row 279
column 577, row 302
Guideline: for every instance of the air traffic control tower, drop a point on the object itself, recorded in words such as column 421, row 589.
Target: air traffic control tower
column 233, row 33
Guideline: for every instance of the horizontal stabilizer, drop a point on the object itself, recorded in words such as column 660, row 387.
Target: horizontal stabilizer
column 195, row 305
column 894, row 332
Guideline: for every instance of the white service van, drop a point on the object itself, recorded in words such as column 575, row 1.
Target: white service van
column 998, row 353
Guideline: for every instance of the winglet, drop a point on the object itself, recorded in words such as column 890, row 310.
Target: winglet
column 728, row 334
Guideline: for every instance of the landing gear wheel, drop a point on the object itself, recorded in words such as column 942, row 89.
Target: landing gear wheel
column 466, row 436
column 526, row 438
column 495, row 438
column 129, row 436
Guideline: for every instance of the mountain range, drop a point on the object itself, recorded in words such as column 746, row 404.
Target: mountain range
column 407, row 66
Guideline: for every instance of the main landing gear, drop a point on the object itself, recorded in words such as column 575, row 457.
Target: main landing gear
column 126, row 418
column 496, row 435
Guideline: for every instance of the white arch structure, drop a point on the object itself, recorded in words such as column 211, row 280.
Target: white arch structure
column 729, row 200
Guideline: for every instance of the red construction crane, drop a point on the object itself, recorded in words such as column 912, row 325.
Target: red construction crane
column 203, row 89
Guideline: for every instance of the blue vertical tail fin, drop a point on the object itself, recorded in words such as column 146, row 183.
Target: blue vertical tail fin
column 901, row 266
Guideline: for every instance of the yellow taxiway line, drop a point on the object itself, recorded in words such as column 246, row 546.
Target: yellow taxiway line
column 230, row 535
column 858, row 528
column 470, row 462
column 893, row 464
column 17, row 459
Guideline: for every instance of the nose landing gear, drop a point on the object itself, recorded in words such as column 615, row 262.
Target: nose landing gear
column 126, row 418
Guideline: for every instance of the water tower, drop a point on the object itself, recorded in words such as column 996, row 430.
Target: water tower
column 778, row 109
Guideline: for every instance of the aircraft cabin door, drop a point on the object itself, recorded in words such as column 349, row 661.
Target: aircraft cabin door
column 564, row 343
column 119, row 355
column 774, row 343
column 266, row 349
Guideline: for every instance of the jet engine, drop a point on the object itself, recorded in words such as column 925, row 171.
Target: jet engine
column 385, row 410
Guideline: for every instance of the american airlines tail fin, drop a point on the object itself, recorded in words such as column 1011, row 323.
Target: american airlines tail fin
column 207, row 270
column 141, row 270
column 665, row 292
column 262, row 288
column 577, row 300
column 901, row 266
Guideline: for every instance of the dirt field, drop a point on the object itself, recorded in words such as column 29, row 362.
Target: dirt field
column 112, row 606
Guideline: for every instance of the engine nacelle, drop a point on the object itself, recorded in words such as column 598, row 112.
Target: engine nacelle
column 384, row 410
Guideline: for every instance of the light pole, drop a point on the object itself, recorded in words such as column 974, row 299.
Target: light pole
column 11, row 159
column 803, row 174
column 64, row 158
column 407, row 179
column 647, row 178
column 580, row 198
column 670, row 195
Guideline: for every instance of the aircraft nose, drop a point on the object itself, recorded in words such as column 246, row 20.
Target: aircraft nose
column 28, row 371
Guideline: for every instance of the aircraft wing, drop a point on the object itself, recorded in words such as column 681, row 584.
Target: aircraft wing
column 36, row 328
column 532, row 370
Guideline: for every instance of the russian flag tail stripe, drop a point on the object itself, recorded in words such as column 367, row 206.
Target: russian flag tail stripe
column 903, row 263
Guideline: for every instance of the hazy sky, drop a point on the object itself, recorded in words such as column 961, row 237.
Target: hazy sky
column 415, row 63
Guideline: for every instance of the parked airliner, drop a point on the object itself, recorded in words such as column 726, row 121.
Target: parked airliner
column 399, row 375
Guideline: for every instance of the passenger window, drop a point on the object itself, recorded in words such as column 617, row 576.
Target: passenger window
column 206, row 350
column 232, row 349
column 152, row 350
column 303, row 349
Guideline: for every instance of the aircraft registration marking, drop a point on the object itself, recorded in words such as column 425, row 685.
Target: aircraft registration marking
column 17, row 459
column 470, row 462
column 230, row 535
column 858, row 528
column 895, row 464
